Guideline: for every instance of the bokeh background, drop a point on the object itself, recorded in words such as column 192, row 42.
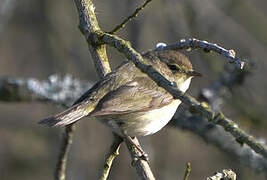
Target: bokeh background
column 41, row 38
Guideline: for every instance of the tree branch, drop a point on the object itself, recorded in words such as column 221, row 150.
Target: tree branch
column 57, row 90
column 88, row 25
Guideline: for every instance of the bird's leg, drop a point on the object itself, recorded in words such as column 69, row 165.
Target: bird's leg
column 143, row 156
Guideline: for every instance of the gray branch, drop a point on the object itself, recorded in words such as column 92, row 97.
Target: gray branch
column 63, row 91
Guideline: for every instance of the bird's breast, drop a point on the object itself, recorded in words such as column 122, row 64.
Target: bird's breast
column 144, row 123
column 141, row 123
column 156, row 119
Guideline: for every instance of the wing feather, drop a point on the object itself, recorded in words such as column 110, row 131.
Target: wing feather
column 141, row 94
column 68, row 116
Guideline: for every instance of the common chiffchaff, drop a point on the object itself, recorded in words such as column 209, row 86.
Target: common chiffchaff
column 128, row 101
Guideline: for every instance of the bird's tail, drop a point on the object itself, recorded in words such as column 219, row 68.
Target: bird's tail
column 67, row 117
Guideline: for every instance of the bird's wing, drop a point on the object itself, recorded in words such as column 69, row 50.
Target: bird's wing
column 88, row 101
column 140, row 94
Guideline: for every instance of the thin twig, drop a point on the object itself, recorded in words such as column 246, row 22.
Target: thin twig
column 187, row 171
column 129, row 18
column 112, row 154
column 60, row 173
column 193, row 43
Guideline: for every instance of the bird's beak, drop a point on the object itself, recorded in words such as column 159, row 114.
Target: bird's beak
column 193, row 73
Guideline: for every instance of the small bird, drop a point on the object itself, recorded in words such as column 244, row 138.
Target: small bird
column 128, row 101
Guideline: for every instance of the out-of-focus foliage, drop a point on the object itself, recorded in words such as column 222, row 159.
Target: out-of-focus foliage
column 40, row 38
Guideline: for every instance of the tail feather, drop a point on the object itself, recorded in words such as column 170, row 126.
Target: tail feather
column 67, row 117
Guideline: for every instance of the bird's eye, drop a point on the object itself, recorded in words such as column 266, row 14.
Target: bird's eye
column 172, row 67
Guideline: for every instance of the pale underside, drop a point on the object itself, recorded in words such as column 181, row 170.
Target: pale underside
column 138, row 110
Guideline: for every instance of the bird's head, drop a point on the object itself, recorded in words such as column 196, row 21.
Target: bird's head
column 174, row 65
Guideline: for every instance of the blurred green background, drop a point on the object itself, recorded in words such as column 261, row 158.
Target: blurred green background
column 40, row 38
